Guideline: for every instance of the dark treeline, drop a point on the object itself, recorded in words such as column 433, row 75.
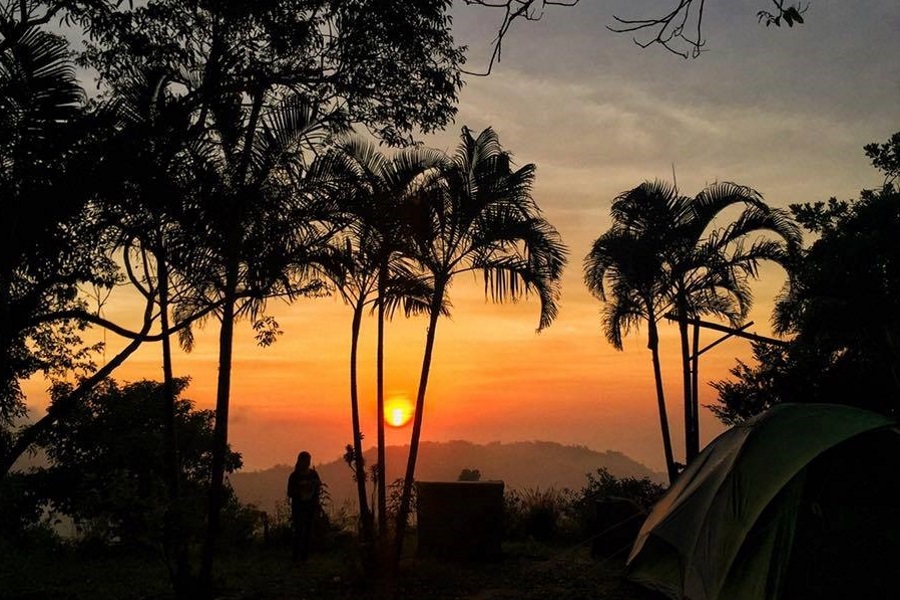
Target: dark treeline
column 841, row 309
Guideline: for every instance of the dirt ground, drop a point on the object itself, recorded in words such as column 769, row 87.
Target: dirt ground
column 524, row 573
column 527, row 571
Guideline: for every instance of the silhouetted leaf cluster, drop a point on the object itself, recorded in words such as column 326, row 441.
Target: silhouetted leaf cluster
column 790, row 15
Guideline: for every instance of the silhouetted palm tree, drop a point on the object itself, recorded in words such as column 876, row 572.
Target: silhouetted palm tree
column 625, row 271
column 715, row 269
column 378, row 268
column 477, row 215
column 688, row 267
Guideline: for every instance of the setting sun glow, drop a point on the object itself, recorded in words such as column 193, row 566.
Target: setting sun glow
column 398, row 411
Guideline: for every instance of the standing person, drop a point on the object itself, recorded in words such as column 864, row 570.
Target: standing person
column 303, row 491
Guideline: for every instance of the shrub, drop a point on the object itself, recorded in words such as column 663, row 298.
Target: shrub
column 602, row 486
column 549, row 514
column 538, row 514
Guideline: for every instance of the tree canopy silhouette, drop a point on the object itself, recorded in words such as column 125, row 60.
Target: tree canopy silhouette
column 108, row 466
column 841, row 310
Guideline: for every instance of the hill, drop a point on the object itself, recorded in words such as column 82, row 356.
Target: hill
column 520, row 465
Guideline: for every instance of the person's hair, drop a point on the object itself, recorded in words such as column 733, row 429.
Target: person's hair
column 303, row 457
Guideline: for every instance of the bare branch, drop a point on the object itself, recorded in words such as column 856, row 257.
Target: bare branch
column 529, row 10
column 670, row 30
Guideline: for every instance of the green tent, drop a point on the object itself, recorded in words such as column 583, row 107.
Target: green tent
column 798, row 502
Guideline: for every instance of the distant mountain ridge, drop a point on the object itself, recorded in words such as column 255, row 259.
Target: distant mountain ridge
column 520, row 465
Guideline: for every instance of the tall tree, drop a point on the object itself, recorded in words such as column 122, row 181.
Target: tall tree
column 261, row 230
column 624, row 269
column 145, row 178
column 52, row 240
column 711, row 266
column 477, row 214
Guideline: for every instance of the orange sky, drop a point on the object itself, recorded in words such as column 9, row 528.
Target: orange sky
column 784, row 111
column 493, row 377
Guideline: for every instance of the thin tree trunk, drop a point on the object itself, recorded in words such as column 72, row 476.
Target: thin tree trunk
column 174, row 533
column 359, row 466
column 653, row 345
column 220, row 432
column 406, row 496
column 381, row 483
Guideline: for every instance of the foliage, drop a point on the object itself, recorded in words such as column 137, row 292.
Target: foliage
column 666, row 252
column 395, row 496
column 475, row 213
column 842, row 308
column 107, row 462
column 755, row 387
column 552, row 514
column 663, row 253
column 52, row 243
column 21, row 520
column 374, row 272
column 382, row 64
column 603, row 484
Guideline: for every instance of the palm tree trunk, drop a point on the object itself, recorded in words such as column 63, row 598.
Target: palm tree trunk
column 381, row 483
column 365, row 516
column 220, row 432
column 653, row 345
column 174, row 533
column 406, row 496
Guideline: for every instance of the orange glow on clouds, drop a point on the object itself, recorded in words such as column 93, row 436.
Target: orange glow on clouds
column 398, row 411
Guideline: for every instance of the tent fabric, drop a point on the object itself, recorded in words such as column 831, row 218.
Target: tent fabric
column 725, row 529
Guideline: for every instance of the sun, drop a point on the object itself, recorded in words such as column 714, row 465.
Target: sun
column 398, row 411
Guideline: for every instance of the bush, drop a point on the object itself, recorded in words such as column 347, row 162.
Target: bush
column 550, row 514
column 601, row 485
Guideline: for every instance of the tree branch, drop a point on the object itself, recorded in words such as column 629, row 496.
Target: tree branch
column 81, row 315
column 529, row 10
column 62, row 406
column 669, row 30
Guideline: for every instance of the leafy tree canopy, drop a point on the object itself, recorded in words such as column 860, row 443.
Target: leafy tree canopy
column 842, row 308
column 389, row 65
column 108, row 459
column 51, row 242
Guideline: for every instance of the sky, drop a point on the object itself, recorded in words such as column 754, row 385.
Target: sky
column 784, row 111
